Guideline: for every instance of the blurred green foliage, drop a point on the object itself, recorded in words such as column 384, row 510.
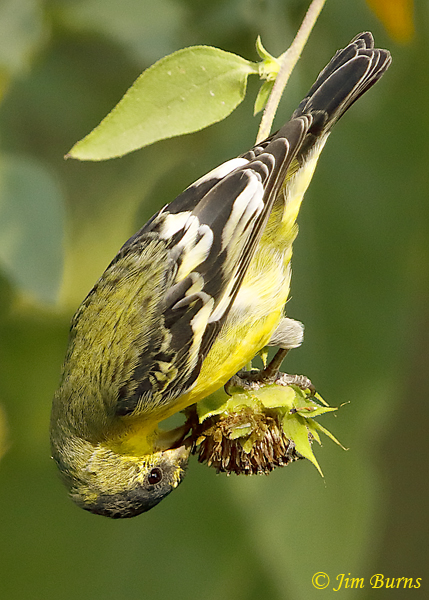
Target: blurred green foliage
column 360, row 284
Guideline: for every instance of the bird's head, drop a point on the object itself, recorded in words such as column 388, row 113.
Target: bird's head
column 116, row 485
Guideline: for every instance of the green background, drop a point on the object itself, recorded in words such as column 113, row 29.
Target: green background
column 360, row 285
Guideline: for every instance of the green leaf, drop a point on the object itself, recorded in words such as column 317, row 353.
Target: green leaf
column 313, row 411
column 270, row 66
column 31, row 227
column 295, row 428
column 262, row 97
column 181, row 93
column 315, row 425
column 276, row 396
column 262, row 52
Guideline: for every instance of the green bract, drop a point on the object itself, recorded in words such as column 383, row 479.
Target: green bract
column 293, row 408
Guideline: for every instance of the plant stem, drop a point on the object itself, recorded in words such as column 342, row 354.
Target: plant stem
column 288, row 61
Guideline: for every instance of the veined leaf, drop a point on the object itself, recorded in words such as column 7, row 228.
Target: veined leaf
column 181, row 93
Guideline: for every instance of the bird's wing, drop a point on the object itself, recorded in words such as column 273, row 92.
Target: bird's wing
column 210, row 231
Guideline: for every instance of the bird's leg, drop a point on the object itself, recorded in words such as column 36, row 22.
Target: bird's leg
column 272, row 369
column 272, row 374
column 289, row 334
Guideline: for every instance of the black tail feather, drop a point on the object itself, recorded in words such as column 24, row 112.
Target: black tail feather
column 350, row 73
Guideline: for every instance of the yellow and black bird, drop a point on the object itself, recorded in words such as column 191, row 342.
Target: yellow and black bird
column 188, row 301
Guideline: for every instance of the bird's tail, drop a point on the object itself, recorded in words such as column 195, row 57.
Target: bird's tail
column 350, row 73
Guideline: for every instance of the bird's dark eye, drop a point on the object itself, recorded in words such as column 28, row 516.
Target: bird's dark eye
column 154, row 476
